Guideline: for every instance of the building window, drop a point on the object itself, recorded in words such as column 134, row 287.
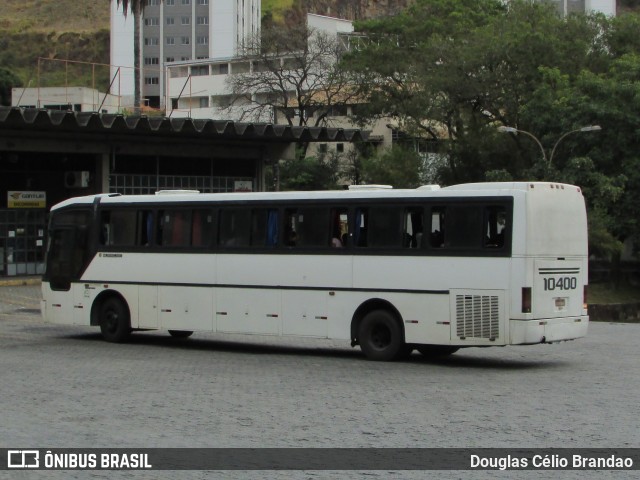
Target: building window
column 151, row 80
column 151, row 61
column 186, row 20
column 204, row 102
column 186, row 2
column 185, row 41
column 171, row 41
column 170, row 59
column 170, row 2
column 221, row 69
column 185, row 59
column 171, row 21
column 339, row 147
column 203, row 20
column 203, row 2
column 203, row 40
column 200, row 71
column 152, row 22
column 151, row 3
column 151, row 41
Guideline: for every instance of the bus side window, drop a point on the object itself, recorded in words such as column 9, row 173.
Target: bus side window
column 436, row 234
column 234, row 227
column 385, row 227
column 118, row 227
column 176, row 228
column 495, row 226
column 307, row 227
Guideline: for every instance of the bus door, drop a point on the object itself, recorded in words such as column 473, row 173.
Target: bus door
column 66, row 255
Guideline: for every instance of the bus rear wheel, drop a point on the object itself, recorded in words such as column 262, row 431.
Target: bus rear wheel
column 180, row 333
column 435, row 351
column 115, row 324
column 380, row 336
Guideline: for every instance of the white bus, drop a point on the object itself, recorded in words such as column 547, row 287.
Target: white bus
column 433, row 269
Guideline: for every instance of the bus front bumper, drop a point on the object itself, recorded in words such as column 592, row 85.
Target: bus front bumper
column 547, row 330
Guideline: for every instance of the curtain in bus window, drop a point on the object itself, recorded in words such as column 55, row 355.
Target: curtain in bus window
column 412, row 232
column 201, row 227
column 495, row 226
column 272, row 228
column 359, row 234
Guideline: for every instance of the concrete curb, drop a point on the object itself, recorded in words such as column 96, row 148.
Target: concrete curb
column 20, row 281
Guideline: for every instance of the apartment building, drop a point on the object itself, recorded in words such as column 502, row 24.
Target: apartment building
column 174, row 31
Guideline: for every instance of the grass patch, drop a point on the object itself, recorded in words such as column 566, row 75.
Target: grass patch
column 606, row 293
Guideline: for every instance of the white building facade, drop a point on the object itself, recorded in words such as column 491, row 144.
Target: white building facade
column 176, row 30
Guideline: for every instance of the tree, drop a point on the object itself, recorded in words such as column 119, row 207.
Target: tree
column 457, row 70
column 8, row 80
column 398, row 166
column 294, row 77
column 136, row 7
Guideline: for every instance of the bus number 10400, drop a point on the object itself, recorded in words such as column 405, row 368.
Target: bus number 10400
column 560, row 283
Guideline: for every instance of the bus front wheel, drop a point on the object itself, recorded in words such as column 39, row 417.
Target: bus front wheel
column 115, row 324
column 380, row 336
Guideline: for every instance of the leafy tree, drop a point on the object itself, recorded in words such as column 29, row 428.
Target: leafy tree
column 8, row 80
column 456, row 71
column 399, row 166
column 307, row 173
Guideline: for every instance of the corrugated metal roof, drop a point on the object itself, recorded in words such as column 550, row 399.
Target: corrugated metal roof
column 17, row 118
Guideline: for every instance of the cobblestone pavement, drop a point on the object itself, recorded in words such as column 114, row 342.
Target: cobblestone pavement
column 65, row 387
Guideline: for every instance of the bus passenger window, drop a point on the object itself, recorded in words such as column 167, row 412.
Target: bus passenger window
column 307, row 227
column 118, row 227
column 385, row 227
column 495, row 226
column 175, row 228
column 234, row 227
column 436, row 237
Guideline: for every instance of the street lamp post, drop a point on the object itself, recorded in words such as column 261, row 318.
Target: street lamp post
column 505, row 129
column 590, row 128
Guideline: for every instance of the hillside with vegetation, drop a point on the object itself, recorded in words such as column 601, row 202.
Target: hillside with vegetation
column 54, row 30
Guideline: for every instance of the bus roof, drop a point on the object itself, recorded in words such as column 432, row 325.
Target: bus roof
column 462, row 190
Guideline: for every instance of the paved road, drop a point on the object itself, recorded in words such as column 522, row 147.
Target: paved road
column 65, row 387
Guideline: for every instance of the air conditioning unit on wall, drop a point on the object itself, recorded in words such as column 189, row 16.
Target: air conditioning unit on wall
column 78, row 179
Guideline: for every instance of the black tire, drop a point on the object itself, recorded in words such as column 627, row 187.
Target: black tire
column 435, row 351
column 380, row 336
column 115, row 322
column 180, row 333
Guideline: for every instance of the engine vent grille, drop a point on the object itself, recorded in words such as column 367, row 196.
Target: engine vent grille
column 477, row 316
